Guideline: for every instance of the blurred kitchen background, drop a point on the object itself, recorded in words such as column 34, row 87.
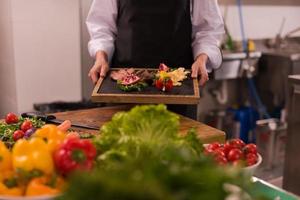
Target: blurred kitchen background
column 44, row 64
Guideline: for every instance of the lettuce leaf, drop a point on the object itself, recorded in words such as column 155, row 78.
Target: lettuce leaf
column 141, row 127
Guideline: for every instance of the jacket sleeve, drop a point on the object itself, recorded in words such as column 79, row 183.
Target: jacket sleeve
column 101, row 25
column 208, row 30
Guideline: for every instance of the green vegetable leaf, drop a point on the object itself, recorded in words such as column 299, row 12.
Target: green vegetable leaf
column 134, row 87
column 143, row 126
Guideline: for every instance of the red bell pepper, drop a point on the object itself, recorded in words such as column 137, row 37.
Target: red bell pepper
column 74, row 154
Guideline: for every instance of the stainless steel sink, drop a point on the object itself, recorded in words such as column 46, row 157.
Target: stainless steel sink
column 235, row 63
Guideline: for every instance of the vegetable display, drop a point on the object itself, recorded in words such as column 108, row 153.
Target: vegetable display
column 139, row 154
column 15, row 128
column 142, row 156
column 39, row 165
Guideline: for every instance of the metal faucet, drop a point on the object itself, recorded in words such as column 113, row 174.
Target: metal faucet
column 278, row 41
column 291, row 33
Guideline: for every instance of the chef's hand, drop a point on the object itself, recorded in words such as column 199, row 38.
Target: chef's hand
column 199, row 69
column 100, row 67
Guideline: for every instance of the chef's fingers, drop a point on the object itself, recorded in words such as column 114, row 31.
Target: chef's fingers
column 94, row 73
column 195, row 71
column 104, row 70
column 94, row 76
column 203, row 77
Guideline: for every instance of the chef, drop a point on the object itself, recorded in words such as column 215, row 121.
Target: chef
column 145, row 33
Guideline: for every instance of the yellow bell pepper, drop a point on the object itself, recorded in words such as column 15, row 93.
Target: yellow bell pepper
column 9, row 185
column 5, row 158
column 52, row 135
column 45, row 186
column 33, row 154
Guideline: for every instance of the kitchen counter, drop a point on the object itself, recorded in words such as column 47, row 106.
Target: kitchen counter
column 99, row 116
column 287, row 54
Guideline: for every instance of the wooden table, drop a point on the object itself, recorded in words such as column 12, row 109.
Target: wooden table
column 99, row 116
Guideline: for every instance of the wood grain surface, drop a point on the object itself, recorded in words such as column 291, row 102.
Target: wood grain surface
column 99, row 116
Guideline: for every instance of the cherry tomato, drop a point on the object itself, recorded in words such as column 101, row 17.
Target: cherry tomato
column 227, row 148
column 251, row 162
column 234, row 154
column 221, row 160
column 26, row 125
column 164, row 84
column 159, row 84
column 18, row 135
column 219, row 152
column 214, row 146
column 251, row 159
column 250, row 148
column 168, row 85
column 11, row 118
column 208, row 151
column 236, row 143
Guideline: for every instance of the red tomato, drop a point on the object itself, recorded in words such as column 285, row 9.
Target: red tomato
column 164, row 84
column 18, row 135
column 227, row 148
column 251, row 159
column 208, row 151
column 11, row 118
column 26, row 125
column 219, row 152
column 168, row 85
column 214, row 146
column 159, row 84
column 221, row 160
column 236, row 143
column 234, row 154
column 251, row 162
column 250, row 148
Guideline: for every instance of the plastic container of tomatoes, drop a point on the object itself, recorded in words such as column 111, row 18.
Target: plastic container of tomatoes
column 250, row 170
column 235, row 153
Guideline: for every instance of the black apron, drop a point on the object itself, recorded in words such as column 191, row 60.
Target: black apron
column 151, row 32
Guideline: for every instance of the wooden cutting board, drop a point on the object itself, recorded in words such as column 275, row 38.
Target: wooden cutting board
column 99, row 116
column 106, row 90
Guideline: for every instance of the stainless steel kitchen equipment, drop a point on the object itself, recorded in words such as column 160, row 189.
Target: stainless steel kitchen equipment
column 270, row 140
column 292, row 160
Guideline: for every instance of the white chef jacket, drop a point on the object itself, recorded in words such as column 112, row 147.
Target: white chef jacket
column 207, row 29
